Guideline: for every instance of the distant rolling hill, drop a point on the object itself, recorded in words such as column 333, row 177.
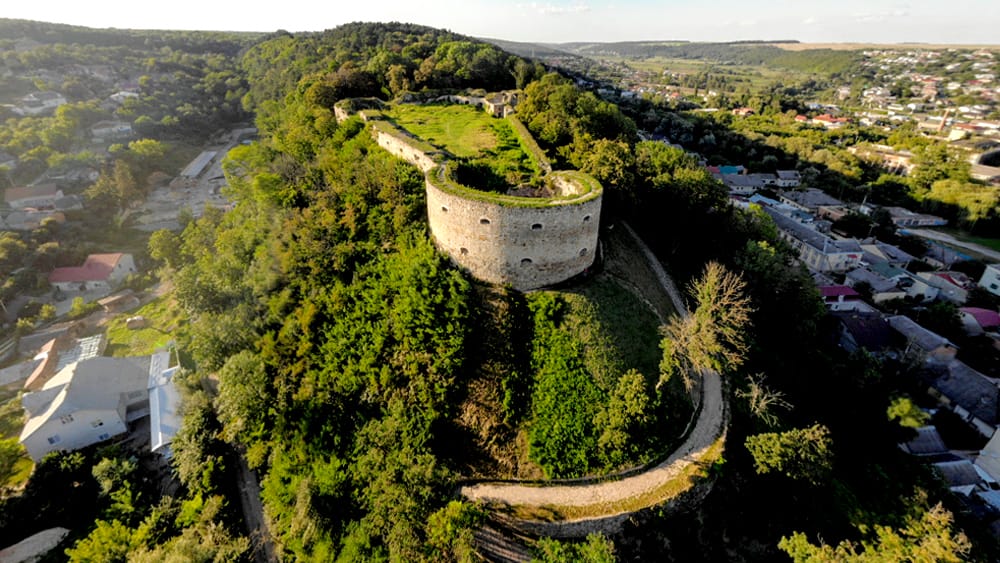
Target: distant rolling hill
column 530, row 50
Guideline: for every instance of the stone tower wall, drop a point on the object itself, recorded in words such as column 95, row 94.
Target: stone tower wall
column 525, row 242
column 527, row 247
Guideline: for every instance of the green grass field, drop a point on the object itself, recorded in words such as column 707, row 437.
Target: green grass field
column 752, row 75
column 464, row 131
column 993, row 243
column 166, row 322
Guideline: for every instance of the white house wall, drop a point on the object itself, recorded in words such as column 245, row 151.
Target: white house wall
column 80, row 432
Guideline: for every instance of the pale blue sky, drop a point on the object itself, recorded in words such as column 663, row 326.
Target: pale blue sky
column 931, row 21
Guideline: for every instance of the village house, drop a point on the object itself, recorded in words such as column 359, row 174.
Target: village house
column 833, row 213
column 110, row 130
column 834, row 295
column 953, row 286
column 878, row 252
column 39, row 102
column 58, row 353
column 746, row 184
column 30, row 220
column 898, row 162
column 940, row 256
column 86, row 402
column 918, row 289
column 966, row 392
column 929, row 346
column 164, row 411
column 990, row 280
column 958, row 474
column 882, row 289
column 902, row 217
column 809, row 200
column 830, row 122
column 977, row 320
column 927, row 442
column 817, row 250
column 861, row 330
column 39, row 197
column 989, row 457
column 99, row 272
column 788, row 178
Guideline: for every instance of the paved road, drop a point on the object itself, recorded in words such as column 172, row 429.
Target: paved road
column 707, row 429
column 950, row 240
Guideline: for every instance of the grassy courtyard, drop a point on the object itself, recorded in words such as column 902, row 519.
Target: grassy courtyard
column 491, row 154
column 464, row 131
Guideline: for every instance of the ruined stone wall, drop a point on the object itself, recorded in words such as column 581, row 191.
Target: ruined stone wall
column 525, row 242
column 405, row 150
column 340, row 113
column 527, row 247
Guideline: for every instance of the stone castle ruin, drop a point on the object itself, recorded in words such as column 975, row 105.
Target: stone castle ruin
column 526, row 238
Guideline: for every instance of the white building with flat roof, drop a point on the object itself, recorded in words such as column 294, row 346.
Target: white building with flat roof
column 991, row 279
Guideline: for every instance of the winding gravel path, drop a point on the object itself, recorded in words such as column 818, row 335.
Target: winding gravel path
column 709, row 426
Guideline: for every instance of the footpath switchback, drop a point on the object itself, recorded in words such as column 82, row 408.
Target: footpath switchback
column 569, row 510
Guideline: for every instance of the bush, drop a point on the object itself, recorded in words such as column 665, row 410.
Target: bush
column 80, row 308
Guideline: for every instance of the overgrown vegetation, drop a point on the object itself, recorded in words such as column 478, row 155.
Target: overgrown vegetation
column 595, row 405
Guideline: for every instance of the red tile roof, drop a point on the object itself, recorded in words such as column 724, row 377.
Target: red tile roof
column 97, row 267
column 984, row 317
column 837, row 291
column 43, row 190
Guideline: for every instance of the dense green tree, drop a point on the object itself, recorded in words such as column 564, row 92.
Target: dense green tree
column 906, row 413
column 927, row 537
column 450, row 532
column 595, row 549
column 164, row 247
column 10, row 453
column 109, row 542
column 803, row 453
column 242, row 399
column 625, row 417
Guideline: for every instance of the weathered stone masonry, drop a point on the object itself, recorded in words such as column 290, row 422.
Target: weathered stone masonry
column 527, row 247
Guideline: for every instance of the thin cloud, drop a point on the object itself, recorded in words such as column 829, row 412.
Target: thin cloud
column 554, row 10
column 878, row 17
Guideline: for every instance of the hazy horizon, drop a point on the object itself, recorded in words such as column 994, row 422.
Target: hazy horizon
column 967, row 22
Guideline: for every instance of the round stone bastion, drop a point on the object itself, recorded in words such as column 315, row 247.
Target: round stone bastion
column 527, row 242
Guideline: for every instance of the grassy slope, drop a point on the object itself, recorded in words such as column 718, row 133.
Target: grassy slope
column 165, row 320
column 617, row 330
column 461, row 130
column 993, row 243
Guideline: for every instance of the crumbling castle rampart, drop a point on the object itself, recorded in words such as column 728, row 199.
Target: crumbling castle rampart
column 527, row 242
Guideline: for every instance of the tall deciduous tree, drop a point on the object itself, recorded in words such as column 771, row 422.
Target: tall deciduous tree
column 714, row 335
